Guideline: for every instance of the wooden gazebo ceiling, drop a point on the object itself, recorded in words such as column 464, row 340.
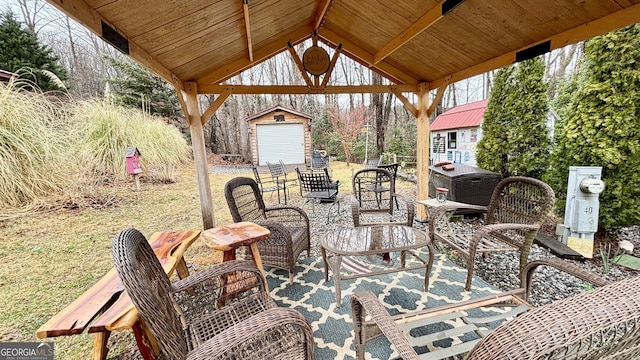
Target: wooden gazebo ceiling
column 408, row 41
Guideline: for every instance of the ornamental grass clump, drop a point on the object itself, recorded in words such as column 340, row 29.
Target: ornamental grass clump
column 103, row 131
column 58, row 153
column 32, row 144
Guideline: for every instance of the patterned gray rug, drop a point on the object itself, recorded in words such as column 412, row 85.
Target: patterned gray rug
column 400, row 292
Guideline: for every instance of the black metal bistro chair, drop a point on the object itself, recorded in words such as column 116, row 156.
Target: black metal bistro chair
column 318, row 186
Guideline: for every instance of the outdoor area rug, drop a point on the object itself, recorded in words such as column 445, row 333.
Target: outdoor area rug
column 400, row 292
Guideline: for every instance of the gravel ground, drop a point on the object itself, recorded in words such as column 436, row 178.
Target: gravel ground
column 499, row 269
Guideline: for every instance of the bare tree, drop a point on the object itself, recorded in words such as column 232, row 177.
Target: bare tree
column 558, row 63
column 347, row 125
column 36, row 14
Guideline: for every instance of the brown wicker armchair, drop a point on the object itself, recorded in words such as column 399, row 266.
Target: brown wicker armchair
column 289, row 225
column 374, row 191
column 513, row 217
column 598, row 324
column 222, row 312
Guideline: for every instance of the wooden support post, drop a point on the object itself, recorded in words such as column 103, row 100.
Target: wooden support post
column 136, row 180
column 423, row 149
column 199, row 153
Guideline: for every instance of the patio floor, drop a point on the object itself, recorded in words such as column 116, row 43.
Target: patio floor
column 400, row 292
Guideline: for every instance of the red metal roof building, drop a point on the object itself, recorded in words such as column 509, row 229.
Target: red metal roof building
column 469, row 115
column 456, row 132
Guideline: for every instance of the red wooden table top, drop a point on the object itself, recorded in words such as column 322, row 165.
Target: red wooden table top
column 108, row 295
column 232, row 236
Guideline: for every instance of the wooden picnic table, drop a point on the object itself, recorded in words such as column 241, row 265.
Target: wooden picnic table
column 106, row 307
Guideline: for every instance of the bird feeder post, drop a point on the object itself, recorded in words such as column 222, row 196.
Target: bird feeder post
column 133, row 164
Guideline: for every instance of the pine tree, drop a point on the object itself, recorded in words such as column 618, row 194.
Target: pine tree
column 515, row 137
column 529, row 132
column 603, row 126
column 492, row 150
column 138, row 88
column 23, row 54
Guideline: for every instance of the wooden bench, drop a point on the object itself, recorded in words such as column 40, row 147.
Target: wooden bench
column 106, row 307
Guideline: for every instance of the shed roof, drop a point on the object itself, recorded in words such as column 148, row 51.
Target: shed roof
column 279, row 108
column 408, row 42
column 6, row 75
column 469, row 115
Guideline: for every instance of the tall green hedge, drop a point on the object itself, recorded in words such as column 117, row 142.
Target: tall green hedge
column 515, row 135
column 602, row 127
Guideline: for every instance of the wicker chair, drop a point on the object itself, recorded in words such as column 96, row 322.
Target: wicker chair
column 289, row 225
column 513, row 217
column 599, row 324
column 222, row 312
column 374, row 192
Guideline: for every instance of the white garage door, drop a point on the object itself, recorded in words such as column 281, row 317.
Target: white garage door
column 280, row 142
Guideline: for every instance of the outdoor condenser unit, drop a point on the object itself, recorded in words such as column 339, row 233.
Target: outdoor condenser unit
column 582, row 208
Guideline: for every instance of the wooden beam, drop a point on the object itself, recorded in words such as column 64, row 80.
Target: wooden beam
column 178, row 86
column 334, row 59
column 365, row 58
column 617, row 20
column 323, row 8
column 301, row 89
column 85, row 15
column 431, row 17
column 407, row 104
column 199, row 154
column 247, row 26
column 298, row 62
column 436, row 100
column 235, row 67
column 422, row 147
column 215, row 105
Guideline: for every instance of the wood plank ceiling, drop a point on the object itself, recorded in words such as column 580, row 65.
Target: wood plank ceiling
column 409, row 42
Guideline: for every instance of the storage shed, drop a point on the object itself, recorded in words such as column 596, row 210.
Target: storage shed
column 278, row 134
column 456, row 132
column 5, row 76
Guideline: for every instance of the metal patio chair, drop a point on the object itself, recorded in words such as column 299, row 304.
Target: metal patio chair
column 279, row 175
column 373, row 191
column 318, row 186
column 393, row 170
column 266, row 184
column 222, row 312
column 289, row 225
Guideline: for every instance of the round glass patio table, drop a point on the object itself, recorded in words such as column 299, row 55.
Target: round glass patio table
column 367, row 251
